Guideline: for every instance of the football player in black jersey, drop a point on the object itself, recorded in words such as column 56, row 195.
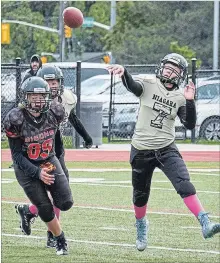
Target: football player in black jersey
column 54, row 77
column 31, row 130
column 153, row 142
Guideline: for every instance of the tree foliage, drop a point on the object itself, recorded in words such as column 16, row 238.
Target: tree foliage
column 25, row 41
column 145, row 30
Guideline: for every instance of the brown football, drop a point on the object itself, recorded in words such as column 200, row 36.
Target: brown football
column 72, row 17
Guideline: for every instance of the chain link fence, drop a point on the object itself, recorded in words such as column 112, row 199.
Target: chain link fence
column 119, row 122
column 120, row 114
column 11, row 76
column 207, row 105
column 120, row 119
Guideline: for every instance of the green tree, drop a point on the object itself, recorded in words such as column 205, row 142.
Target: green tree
column 25, row 41
column 145, row 30
column 186, row 52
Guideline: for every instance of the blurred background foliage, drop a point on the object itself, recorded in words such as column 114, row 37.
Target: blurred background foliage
column 144, row 32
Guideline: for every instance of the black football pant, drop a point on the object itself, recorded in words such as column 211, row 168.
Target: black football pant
column 63, row 165
column 36, row 191
column 169, row 160
column 60, row 152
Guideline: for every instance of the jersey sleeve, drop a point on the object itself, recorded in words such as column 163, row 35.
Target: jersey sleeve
column 24, row 164
column 58, row 111
column 131, row 85
column 187, row 114
column 13, row 122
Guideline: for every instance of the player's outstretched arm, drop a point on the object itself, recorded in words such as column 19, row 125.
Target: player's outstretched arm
column 78, row 126
column 130, row 84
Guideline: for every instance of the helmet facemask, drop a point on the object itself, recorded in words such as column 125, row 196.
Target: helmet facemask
column 56, row 85
column 37, row 102
column 35, row 95
column 50, row 73
column 170, row 62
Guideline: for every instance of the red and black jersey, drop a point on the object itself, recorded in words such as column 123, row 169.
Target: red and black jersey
column 31, row 139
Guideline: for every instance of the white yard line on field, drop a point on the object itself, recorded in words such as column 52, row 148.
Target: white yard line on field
column 129, row 186
column 203, row 173
column 93, row 180
column 114, row 209
column 190, row 250
column 190, row 227
column 101, row 182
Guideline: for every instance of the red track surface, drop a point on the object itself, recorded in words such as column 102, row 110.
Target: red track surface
column 118, row 156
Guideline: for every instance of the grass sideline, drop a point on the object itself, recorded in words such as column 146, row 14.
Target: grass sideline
column 100, row 227
column 125, row 165
column 68, row 142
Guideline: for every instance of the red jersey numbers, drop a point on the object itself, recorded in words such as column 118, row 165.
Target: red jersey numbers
column 36, row 150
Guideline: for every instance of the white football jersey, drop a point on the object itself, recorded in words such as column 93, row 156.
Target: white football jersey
column 155, row 127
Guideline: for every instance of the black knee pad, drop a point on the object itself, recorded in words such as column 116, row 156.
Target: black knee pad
column 140, row 198
column 186, row 188
column 46, row 212
column 66, row 205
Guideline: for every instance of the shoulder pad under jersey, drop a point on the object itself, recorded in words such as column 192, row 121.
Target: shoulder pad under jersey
column 69, row 98
column 15, row 116
column 58, row 110
column 13, row 121
column 149, row 78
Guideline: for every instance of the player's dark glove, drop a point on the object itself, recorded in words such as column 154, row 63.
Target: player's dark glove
column 88, row 143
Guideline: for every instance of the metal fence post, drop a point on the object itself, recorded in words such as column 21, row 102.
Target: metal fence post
column 110, row 111
column 193, row 137
column 78, row 94
column 18, row 78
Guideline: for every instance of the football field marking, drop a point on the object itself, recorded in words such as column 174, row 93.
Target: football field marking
column 102, row 170
column 129, row 186
column 190, row 227
column 102, row 182
column 115, row 209
column 120, row 244
column 95, row 180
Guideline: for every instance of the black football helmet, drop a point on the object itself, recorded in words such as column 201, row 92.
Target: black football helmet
column 52, row 72
column 35, row 85
column 177, row 60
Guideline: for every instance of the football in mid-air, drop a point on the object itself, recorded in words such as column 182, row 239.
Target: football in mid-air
column 72, row 17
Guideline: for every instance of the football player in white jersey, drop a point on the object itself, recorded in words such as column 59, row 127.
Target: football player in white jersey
column 153, row 140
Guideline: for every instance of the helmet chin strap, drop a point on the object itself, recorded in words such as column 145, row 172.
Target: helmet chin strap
column 34, row 110
column 164, row 81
